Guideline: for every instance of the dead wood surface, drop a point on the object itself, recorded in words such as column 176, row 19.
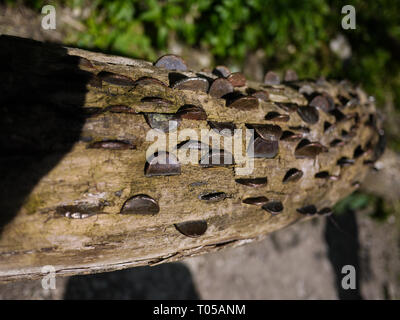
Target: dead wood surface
column 60, row 106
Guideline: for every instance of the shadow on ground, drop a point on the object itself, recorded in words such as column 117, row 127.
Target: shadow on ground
column 167, row 281
column 341, row 236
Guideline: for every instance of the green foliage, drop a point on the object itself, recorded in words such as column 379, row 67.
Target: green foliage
column 359, row 200
column 355, row 201
column 292, row 34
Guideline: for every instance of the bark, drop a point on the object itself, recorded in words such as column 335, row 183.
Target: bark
column 74, row 153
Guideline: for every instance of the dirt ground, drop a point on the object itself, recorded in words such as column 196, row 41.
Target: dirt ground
column 303, row 261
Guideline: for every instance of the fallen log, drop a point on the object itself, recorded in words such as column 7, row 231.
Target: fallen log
column 81, row 193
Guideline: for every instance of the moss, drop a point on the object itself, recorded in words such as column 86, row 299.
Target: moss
column 32, row 203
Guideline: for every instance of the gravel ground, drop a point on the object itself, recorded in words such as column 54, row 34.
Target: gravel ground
column 302, row 261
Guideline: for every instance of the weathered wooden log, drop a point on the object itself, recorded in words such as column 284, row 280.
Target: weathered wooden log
column 79, row 193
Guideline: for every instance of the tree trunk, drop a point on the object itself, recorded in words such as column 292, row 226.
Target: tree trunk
column 77, row 193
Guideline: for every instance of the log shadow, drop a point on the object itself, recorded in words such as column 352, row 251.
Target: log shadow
column 170, row 281
column 341, row 236
column 42, row 91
